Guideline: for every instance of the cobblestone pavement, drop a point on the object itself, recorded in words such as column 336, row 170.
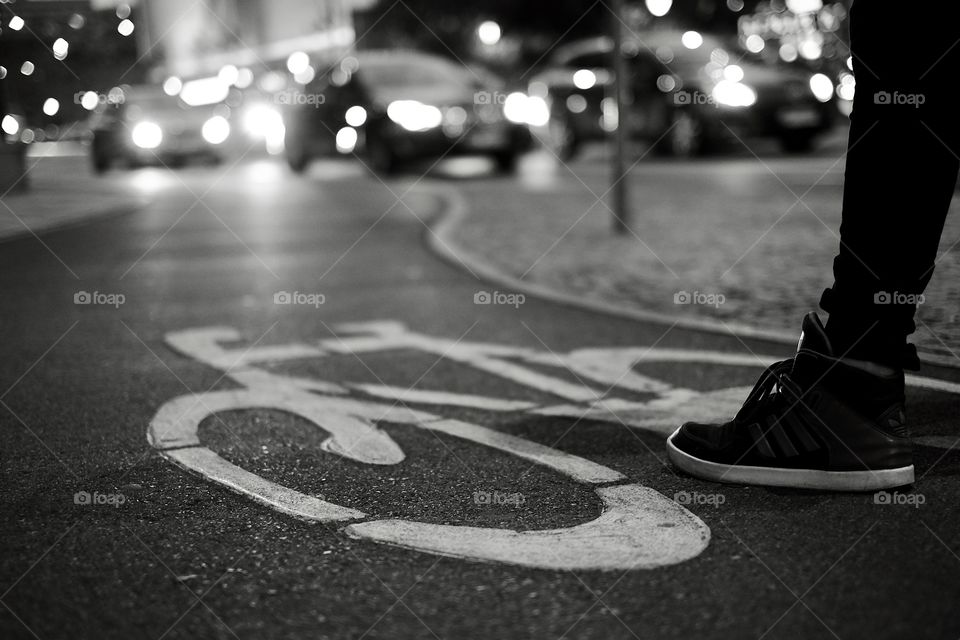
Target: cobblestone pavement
column 749, row 238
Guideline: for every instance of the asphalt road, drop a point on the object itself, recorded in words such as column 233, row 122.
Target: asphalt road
column 169, row 554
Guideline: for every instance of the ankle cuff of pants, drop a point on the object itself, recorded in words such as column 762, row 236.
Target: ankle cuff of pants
column 871, row 330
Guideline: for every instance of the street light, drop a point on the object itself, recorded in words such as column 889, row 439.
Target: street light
column 659, row 8
column 489, row 33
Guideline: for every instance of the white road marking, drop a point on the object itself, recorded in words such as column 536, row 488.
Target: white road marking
column 575, row 467
column 353, row 433
column 203, row 345
column 418, row 396
column 208, row 464
column 639, row 527
column 484, row 357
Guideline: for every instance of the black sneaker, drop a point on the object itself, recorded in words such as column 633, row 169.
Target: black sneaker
column 812, row 422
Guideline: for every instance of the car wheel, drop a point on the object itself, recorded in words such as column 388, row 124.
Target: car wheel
column 99, row 155
column 685, row 137
column 100, row 162
column 297, row 158
column 795, row 142
column 506, row 161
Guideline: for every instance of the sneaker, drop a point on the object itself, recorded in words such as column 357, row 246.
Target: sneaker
column 815, row 421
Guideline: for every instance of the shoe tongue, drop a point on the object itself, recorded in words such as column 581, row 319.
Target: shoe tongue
column 813, row 337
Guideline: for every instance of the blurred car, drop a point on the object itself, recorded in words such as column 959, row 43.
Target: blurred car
column 393, row 107
column 688, row 92
column 143, row 125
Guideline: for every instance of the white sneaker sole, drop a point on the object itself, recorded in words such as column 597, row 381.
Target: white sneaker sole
column 794, row 478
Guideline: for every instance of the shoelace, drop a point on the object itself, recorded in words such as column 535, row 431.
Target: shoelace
column 767, row 394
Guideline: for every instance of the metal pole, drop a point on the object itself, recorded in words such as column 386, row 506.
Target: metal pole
column 618, row 179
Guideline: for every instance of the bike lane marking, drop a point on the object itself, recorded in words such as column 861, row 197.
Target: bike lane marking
column 638, row 528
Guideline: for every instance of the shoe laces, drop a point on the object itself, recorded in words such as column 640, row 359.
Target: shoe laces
column 768, row 395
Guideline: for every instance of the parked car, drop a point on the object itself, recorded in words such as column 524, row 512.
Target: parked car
column 141, row 125
column 689, row 93
column 394, row 107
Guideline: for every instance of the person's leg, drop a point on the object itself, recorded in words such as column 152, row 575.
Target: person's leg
column 832, row 417
column 901, row 170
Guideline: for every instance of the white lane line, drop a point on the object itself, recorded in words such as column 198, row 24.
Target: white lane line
column 638, row 529
column 208, row 464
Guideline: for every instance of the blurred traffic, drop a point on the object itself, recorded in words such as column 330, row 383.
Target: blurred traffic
column 150, row 83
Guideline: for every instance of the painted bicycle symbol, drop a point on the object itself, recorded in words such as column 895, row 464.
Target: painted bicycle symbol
column 638, row 528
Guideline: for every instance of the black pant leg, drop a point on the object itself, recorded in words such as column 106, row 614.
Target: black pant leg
column 902, row 165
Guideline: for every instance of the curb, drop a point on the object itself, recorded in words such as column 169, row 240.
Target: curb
column 440, row 240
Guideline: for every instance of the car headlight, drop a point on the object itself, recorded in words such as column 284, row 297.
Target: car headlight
column 413, row 115
column 355, row 116
column 821, row 86
column 733, row 94
column 523, row 109
column 216, row 130
column 263, row 122
column 147, row 135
